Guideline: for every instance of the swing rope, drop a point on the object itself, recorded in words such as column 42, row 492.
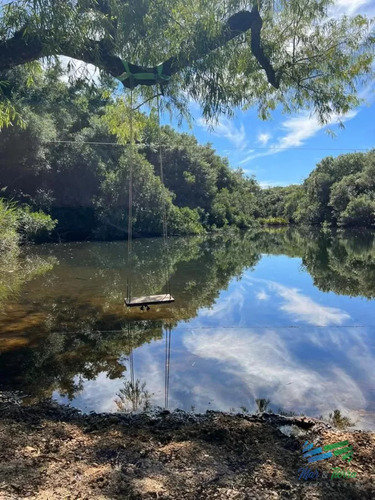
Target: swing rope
column 130, row 208
column 164, row 211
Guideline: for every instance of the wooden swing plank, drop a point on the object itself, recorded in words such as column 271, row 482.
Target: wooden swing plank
column 147, row 300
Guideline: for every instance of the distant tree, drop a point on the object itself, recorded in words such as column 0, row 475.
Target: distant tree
column 339, row 191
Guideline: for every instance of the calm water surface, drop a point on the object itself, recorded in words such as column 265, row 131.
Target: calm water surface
column 284, row 315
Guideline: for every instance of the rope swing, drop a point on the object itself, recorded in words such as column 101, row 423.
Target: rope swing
column 145, row 301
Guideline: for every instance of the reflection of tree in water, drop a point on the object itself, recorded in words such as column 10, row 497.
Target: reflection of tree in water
column 262, row 404
column 200, row 267
column 62, row 360
column 133, row 397
column 338, row 261
column 344, row 264
column 147, row 272
column 15, row 272
column 80, row 332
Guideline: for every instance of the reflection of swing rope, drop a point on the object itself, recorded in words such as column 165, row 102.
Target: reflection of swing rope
column 168, row 334
column 131, row 358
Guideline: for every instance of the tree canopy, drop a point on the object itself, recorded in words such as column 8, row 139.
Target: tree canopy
column 222, row 54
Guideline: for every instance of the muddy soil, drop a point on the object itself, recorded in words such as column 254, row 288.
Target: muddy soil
column 52, row 452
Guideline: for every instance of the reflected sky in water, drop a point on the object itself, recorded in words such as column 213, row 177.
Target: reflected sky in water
column 261, row 328
column 270, row 335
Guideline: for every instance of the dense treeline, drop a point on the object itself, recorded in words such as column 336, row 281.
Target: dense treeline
column 83, row 183
column 339, row 191
column 71, row 159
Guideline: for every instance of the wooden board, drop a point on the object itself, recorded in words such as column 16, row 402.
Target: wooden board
column 148, row 300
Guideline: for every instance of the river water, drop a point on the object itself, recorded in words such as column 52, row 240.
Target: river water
column 283, row 315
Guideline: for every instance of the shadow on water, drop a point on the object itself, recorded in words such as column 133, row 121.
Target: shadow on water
column 69, row 325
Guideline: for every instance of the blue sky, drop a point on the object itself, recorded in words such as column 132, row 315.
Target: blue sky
column 285, row 149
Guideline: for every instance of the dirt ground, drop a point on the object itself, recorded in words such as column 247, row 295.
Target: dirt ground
column 53, row 452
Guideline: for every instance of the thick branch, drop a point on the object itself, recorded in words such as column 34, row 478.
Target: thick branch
column 22, row 49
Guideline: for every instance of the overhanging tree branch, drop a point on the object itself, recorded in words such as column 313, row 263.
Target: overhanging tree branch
column 24, row 47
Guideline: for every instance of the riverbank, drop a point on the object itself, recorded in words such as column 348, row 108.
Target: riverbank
column 49, row 451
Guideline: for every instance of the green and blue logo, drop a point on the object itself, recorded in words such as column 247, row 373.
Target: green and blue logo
column 341, row 449
column 328, row 451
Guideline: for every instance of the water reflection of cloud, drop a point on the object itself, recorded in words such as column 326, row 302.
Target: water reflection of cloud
column 220, row 368
column 303, row 308
column 296, row 304
column 231, row 300
column 262, row 362
column 233, row 306
column 100, row 393
column 97, row 395
column 312, row 369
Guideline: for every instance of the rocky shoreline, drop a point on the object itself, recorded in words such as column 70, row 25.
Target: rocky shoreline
column 49, row 451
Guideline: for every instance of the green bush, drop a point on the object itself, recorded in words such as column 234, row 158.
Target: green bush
column 33, row 225
column 17, row 223
column 20, row 223
column 359, row 212
column 184, row 221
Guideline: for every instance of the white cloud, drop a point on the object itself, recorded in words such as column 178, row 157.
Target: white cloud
column 297, row 130
column 304, row 126
column 227, row 129
column 262, row 295
column 348, row 7
column 263, row 138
